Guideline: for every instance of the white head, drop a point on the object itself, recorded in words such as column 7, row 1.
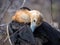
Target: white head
column 36, row 19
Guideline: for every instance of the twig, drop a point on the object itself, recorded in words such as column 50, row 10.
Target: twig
column 23, row 3
column 8, row 36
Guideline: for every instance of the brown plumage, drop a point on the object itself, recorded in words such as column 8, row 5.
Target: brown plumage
column 22, row 16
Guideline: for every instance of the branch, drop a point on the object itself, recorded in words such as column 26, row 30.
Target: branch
column 23, row 3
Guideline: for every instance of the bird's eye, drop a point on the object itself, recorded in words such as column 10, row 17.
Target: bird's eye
column 34, row 20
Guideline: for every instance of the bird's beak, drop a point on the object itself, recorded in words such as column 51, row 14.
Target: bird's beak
column 33, row 26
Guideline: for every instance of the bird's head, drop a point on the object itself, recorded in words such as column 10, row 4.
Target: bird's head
column 36, row 19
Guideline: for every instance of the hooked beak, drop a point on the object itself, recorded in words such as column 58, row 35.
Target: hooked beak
column 33, row 26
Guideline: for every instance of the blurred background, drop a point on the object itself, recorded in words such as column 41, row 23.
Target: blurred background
column 49, row 8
